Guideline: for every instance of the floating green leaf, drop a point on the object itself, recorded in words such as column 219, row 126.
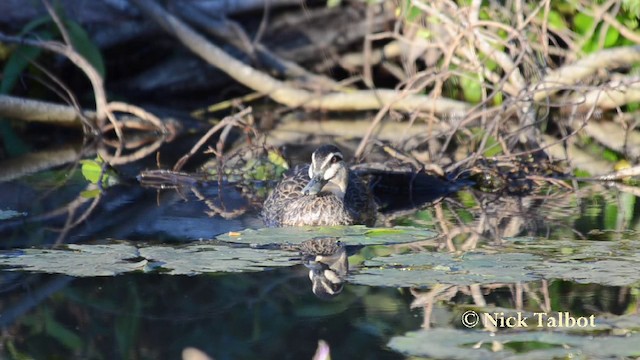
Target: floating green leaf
column 613, row 263
column 207, row 258
column 76, row 260
column 349, row 235
column 463, row 344
column 114, row 259
column 431, row 268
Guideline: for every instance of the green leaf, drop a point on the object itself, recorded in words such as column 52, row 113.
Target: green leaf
column 610, row 216
column 13, row 68
column 383, row 232
column 499, row 98
column 555, row 20
column 581, row 173
column 34, row 24
column 459, row 344
column 582, row 23
column 610, row 155
column 632, row 7
column 92, row 170
column 472, row 89
column 611, row 38
column 348, row 235
column 59, row 332
column 277, row 159
column 492, row 146
column 83, row 45
column 90, row 194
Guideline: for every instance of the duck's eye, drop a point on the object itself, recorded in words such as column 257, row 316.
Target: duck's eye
column 334, row 159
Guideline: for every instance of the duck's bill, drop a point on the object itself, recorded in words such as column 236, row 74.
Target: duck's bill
column 314, row 186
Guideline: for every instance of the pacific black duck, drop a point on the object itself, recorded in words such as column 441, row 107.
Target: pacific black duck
column 322, row 193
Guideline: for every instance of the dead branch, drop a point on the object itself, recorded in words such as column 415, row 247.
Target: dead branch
column 42, row 111
column 284, row 93
column 227, row 121
column 571, row 74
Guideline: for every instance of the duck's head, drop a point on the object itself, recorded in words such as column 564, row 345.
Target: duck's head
column 328, row 172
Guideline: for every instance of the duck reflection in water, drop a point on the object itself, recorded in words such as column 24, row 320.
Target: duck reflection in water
column 328, row 264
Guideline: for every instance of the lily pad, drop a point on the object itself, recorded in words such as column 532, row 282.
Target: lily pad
column 348, row 235
column 76, row 260
column 430, row 268
column 612, row 263
column 467, row 344
column 195, row 259
column 114, row 259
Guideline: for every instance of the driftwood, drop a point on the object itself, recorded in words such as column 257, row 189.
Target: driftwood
column 284, row 93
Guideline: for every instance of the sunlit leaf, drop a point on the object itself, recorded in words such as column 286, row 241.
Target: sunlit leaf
column 582, row 23
column 277, row 159
column 611, row 38
column 555, row 20
column 90, row 194
column 472, row 89
column 92, row 171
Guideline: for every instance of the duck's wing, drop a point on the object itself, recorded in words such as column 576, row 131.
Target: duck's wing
column 292, row 184
column 359, row 199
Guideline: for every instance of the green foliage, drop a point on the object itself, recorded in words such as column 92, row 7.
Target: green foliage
column 85, row 47
column 581, row 173
column 471, row 88
column 44, row 322
column 601, row 35
column 92, row 170
column 44, row 29
column 632, row 7
column 492, row 146
column 555, row 19
column 410, row 12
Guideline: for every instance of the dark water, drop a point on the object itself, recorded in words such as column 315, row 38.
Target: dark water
column 260, row 315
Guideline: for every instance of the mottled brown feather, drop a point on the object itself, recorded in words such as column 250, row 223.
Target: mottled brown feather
column 287, row 206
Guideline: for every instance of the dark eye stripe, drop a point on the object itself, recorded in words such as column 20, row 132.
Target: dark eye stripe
column 331, row 159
